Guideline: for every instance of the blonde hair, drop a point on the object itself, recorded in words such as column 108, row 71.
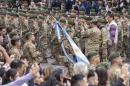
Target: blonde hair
column 80, row 68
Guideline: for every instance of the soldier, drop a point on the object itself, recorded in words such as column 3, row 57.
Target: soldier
column 125, row 37
column 16, row 48
column 2, row 18
column 115, row 70
column 14, row 20
column 29, row 49
column 43, row 38
column 23, row 23
column 104, row 37
column 93, row 36
column 94, row 59
column 120, row 33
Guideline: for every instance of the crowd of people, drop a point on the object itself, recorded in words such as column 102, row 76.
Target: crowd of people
column 28, row 40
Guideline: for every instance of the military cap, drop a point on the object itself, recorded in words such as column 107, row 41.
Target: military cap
column 101, row 20
column 56, row 8
column 85, row 17
column 13, row 14
column 34, row 12
column 113, row 56
column 28, row 34
column 91, row 55
column 45, row 11
column 32, row 16
column 2, row 13
column 114, row 10
column 14, row 10
column 81, row 12
column 71, row 22
column 68, row 30
column 92, row 13
column 41, row 17
column 12, row 34
column 9, row 9
column 92, row 10
column 94, row 21
column 105, row 65
column 23, row 14
column 22, row 11
column 62, row 20
column 88, row 18
column 45, row 8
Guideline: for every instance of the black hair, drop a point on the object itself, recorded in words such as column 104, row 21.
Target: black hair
column 16, row 64
column 1, row 27
column 2, row 71
column 8, row 75
column 9, row 29
column 102, row 76
column 14, row 40
column 57, row 73
column 91, row 73
column 76, row 78
column 110, row 14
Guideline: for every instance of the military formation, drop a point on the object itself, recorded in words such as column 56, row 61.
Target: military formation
column 35, row 29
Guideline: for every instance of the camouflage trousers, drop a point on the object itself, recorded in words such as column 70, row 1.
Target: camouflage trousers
column 103, row 53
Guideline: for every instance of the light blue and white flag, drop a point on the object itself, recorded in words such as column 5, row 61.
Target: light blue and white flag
column 78, row 53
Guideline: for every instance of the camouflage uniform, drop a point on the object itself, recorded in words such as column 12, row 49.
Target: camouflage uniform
column 92, row 41
column 43, row 38
column 125, row 35
column 16, row 52
column 29, row 50
column 104, row 38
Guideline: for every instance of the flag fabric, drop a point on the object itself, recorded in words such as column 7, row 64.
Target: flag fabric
column 78, row 53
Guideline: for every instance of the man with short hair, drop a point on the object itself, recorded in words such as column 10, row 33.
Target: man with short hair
column 115, row 70
column 16, row 48
column 29, row 49
column 94, row 59
column 79, row 80
column 112, row 33
column 93, row 36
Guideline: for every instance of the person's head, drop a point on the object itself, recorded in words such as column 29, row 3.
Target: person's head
column 9, row 30
column 93, row 58
column 30, row 36
column 109, row 17
column 47, row 72
column 59, row 74
column 15, row 41
column 23, row 58
column 19, row 66
column 80, row 68
column 9, row 76
column 92, row 78
column 4, row 31
column 79, row 80
column 116, row 17
column 13, row 34
column 102, row 76
column 93, row 23
column 115, row 59
column 1, row 30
